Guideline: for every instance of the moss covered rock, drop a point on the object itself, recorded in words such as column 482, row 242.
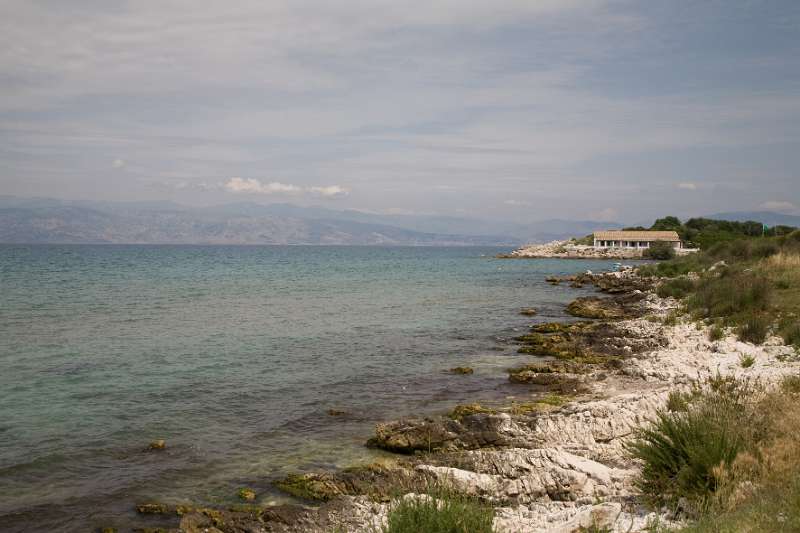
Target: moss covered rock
column 598, row 308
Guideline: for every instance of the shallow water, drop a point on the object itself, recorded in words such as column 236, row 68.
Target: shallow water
column 234, row 355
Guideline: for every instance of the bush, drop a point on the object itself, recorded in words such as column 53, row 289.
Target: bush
column 676, row 288
column 660, row 250
column 790, row 331
column 440, row 511
column 716, row 333
column 730, row 294
column 753, row 329
column 747, row 360
column 683, row 449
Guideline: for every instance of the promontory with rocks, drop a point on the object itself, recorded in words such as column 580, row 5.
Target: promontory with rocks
column 669, row 402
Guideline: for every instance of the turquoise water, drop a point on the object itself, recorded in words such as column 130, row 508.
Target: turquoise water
column 234, row 355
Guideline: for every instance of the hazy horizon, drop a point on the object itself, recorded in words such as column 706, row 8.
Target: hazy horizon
column 522, row 111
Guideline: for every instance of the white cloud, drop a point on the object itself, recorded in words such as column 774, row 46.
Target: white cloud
column 329, row 191
column 118, row 163
column 775, row 205
column 255, row 186
column 689, row 186
column 252, row 185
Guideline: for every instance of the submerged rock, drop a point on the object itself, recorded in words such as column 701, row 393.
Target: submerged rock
column 528, row 311
column 247, row 494
column 463, row 370
column 152, row 508
column 156, row 445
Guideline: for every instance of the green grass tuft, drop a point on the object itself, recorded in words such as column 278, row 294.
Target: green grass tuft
column 440, row 511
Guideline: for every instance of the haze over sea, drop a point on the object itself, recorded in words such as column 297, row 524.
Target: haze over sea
column 234, row 355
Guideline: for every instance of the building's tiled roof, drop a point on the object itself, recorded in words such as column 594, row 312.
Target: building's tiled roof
column 636, row 236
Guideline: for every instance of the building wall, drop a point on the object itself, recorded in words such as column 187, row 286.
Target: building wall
column 629, row 244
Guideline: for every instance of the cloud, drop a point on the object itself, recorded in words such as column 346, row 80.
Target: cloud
column 775, row 205
column 689, row 186
column 330, row 191
column 252, row 185
column 118, row 163
column 255, row 186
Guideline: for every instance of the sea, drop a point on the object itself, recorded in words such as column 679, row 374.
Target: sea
column 236, row 356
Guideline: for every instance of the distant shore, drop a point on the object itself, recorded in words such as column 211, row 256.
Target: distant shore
column 569, row 250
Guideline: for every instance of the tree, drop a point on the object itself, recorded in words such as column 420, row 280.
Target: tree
column 660, row 250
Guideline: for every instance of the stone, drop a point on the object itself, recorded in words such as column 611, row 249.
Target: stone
column 528, row 311
column 462, row 370
column 594, row 307
column 157, row 445
column 151, row 508
column 247, row 494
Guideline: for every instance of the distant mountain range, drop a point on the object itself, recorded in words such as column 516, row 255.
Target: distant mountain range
column 45, row 220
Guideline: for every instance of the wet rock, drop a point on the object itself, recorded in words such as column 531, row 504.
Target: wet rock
column 376, row 480
column 528, row 311
column 460, row 411
column 336, row 412
column 108, row 530
column 462, row 370
column 157, row 445
column 553, row 280
column 152, row 508
column 428, row 435
column 554, row 376
column 594, row 307
column 247, row 494
column 220, row 521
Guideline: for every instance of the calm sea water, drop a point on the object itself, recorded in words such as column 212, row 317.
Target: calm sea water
column 234, row 355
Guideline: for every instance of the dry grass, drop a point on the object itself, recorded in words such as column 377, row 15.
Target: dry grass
column 783, row 261
column 759, row 491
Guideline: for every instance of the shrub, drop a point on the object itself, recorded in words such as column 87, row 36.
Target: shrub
column 753, row 329
column 746, row 360
column 676, row 288
column 440, row 511
column 716, row 333
column 682, row 450
column 660, row 250
column 789, row 330
column 730, row 294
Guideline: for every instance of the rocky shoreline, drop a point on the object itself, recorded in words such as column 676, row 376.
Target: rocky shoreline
column 552, row 460
column 569, row 250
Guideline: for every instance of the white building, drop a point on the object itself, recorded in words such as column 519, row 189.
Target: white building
column 635, row 239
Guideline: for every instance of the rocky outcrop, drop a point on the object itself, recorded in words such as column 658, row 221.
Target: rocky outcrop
column 446, row 434
column 570, row 250
column 594, row 307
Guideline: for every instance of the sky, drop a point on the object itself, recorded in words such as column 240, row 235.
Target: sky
column 523, row 110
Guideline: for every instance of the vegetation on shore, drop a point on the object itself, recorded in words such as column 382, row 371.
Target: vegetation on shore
column 751, row 285
column 440, row 510
column 727, row 454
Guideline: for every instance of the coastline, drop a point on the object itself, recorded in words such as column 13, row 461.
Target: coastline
column 544, row 467
column 569, row 250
